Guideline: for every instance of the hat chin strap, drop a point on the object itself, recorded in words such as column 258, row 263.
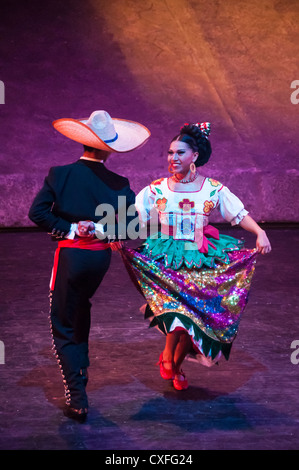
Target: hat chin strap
column 92, row 159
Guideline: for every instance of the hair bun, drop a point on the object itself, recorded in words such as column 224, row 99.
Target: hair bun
column 199, row 136
column 205, row 127
column 191, row 128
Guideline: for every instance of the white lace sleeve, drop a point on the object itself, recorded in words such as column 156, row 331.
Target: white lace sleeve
column 72, row 232
column 144, row 204
column 230, row 206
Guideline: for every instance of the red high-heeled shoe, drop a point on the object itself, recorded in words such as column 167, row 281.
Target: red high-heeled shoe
column 167, row 374
column 180, row 384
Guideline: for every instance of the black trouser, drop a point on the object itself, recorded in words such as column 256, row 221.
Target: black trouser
column 79, row 274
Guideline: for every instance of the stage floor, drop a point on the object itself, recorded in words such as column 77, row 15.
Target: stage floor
column 250, row 402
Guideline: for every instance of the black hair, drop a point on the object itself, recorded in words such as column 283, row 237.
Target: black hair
column 87, row 148
column 192, row 135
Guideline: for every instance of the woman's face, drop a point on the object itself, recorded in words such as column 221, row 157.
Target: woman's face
column 180, row 157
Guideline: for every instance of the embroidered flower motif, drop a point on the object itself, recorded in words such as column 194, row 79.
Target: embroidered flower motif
column 159, row 181
column 161, row 204
column 208, row 206
column 186, row 205
column 214, row 182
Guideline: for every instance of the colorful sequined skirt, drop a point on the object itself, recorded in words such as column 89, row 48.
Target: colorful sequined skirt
column 206, row 301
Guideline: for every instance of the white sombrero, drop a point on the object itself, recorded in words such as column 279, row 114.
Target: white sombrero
column 103, row 132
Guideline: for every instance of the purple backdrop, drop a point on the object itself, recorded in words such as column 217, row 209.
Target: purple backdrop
column 162, row 63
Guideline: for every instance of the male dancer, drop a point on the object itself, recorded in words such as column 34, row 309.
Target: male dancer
column 66, row 207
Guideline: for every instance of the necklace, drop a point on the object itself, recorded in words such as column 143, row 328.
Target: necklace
column 193, row 178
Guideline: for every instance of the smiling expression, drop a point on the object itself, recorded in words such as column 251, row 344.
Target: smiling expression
column 180, row 157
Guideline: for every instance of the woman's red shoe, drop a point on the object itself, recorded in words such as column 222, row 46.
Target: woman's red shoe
column 180, row 384
column 167, row 374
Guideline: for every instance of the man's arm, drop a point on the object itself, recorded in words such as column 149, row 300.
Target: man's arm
column 41, row 209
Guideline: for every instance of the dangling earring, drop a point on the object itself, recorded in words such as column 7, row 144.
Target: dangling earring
column 170, row 169
column 193, row 168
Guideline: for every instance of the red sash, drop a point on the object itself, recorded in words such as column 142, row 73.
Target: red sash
column 83, row 243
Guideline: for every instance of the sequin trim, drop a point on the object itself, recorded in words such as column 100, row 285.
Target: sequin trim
column 67, row 393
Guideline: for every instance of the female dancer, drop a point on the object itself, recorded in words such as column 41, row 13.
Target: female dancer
column 195, row 280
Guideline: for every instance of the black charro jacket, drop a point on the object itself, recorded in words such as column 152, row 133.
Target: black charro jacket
column 73, row 192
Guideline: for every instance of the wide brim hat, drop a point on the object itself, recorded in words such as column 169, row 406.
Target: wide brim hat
column 102, row 132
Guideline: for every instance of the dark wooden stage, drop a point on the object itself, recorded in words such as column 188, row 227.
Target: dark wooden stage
column 250, row 402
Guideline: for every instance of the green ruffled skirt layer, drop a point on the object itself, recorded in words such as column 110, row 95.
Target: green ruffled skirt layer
column 176, row 253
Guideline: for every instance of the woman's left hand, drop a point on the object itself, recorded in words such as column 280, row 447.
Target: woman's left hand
column 262, row 243
column 85, row 228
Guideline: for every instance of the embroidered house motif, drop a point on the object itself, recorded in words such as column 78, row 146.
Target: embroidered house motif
column 186, row 226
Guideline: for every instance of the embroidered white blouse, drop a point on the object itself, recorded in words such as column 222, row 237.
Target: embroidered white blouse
column 172, row 207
